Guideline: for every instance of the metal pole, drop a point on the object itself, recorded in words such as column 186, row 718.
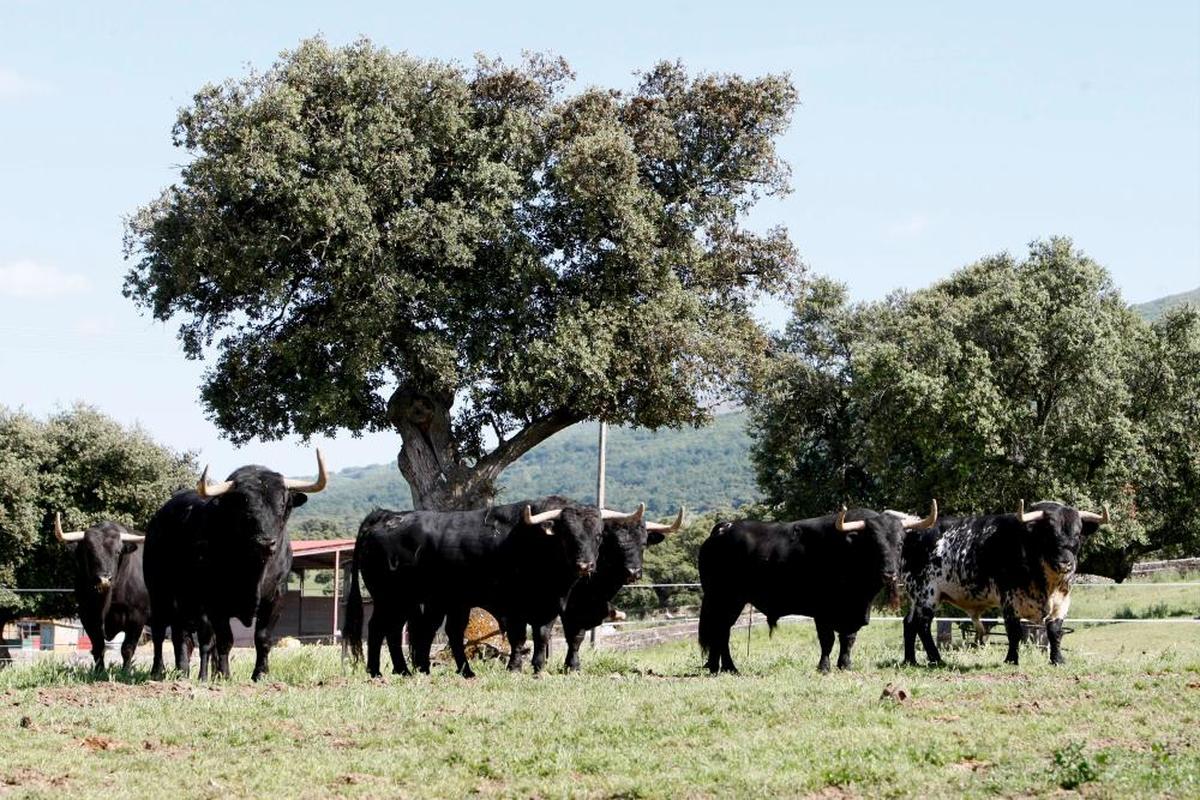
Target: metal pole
column 602, row 446
column 300, row 610
column 337, row 579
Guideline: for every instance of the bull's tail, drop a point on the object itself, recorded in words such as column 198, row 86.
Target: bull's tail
column 353, row 625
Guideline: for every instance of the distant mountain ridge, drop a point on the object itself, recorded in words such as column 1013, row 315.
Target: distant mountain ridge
column 701, row 468
column 1152, row 310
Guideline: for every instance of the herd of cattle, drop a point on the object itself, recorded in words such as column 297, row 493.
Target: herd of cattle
column 221, row 552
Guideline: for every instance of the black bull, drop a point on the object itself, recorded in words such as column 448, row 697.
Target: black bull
column 425, row 566
column 109, row 586
column 807, row 567
column 218, row 553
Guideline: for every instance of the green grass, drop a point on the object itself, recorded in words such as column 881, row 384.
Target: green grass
column 1119, row 720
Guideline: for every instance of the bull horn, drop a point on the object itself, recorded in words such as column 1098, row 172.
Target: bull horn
column 660, row 528
column 66, row 538
column 847, row 527
column 529, row 518
column 205, row 489
column 1092, row 516
column 1032, row 516
column 132, row 537
column 914, row 523
column 301, row 485
column 621, row 516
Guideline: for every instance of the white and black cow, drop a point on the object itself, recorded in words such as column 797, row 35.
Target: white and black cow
column 1023, row 563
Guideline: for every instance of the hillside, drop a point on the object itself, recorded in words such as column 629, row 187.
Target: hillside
column 703, row 469
column 1154, row 309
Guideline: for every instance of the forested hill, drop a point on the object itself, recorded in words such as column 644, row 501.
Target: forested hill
column 1154, row 309
column 703, row 469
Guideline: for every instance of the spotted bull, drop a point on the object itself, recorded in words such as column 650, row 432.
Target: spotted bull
column 1021, row 562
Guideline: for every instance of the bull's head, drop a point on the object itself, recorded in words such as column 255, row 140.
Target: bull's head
column 248, row 515
column 98, row 552
column 876, row 540
column 577, row 529
column 1059, row 531
column 626, row 537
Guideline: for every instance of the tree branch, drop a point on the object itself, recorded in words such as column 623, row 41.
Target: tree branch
column 490, row 466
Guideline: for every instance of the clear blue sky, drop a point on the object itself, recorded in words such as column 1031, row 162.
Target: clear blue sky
column 929, row 135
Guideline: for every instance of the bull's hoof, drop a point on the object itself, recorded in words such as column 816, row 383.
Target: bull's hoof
column 467, row 672
column 823, row 667
column 1058, row 661
column 844, row 667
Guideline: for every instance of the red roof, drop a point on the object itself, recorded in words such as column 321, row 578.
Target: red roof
column 314, row 546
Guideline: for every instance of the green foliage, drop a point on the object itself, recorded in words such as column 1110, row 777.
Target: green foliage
column 1010, row 379
column 86, row 466
column 354, row 221
column 701, row 469
column 1073, row 767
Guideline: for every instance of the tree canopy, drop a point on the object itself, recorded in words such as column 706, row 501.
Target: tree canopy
column 471, row 256
column 1012, row 379
column 89, row 468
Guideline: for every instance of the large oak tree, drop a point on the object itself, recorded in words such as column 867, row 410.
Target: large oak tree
column 473, row 257
column 1011, row 379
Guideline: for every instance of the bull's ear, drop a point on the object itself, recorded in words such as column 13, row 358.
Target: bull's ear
column 548, row 528
column 654, row 537
column 299, row 499
column 129, row 547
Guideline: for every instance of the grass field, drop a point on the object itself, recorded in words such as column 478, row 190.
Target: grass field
column 1120, row 720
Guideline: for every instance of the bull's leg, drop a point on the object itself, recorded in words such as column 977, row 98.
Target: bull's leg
column 910, row 637
column 204, row 633
column 717, row 617
column 1054, row 635
column 574, row 636
column 182, row 647
column 541, row 645
column 95, row 631
column 158, row 632
column 1012, row 627
column 825, row 636
column 223, row 632
column 377, row 629
column 133, row 632
column 846, row 641
column 420, row 638
column 456, row 626
column 923, row 624
column 980, row 631
column 395, row 643
column 516, row 635
column 264, row 623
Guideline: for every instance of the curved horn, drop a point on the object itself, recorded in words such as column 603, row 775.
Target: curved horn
column 65, row 538
column 205, row 489
column 300, row 485
column 529, row 518
column 847, row 527
column 674, row 526
column 132, row 537
column 1092, row 516
column 1032, row 516
column 621, row 516
column 929, row 521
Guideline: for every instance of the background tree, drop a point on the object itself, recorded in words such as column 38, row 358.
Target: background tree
column 467, row 256
column 86, row 466
column 1011, row 379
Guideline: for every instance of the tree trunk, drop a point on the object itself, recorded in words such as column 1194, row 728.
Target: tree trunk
column 429, row 459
